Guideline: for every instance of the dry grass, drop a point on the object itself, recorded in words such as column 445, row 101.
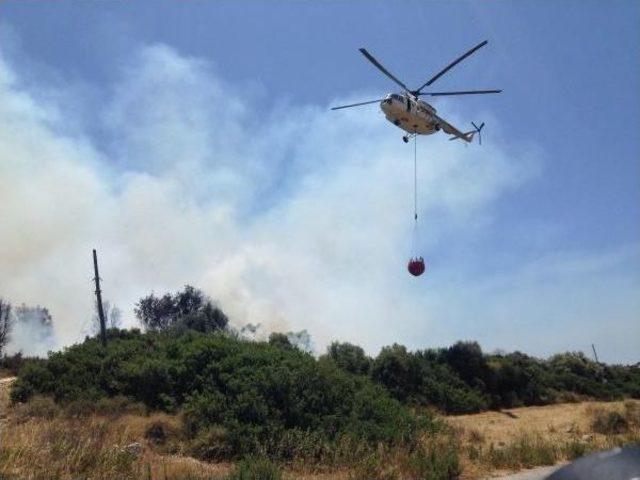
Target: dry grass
column 97, row 447
column 496, row 442
column 5, row 384
column 34, row 444
column 105, row 440
column 40, row 440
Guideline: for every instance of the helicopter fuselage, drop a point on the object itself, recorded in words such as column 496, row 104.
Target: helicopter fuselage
column 415, row 116
column 410, row 114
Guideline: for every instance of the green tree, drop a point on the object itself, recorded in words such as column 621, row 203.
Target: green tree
column 395, row 369
column 467, row 360
column 349, row 357
column 280, row 340
column 189, row 309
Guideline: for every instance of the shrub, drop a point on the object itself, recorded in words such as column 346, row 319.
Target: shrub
column 476, row 436
column 526, row 451
column 255, row 468
column 373, row 467
column 38, row 407
column 156, row 433
column 211, row 443
column 12, row 363
column 349, row 357
column 237, row 397
column 79, row 408
column 280, row 339
column 575, row 449
column 119, row 405
column 437, row 459
column 34, row 378
column 418, row 378
column 189, row 309
column 609, row 422
column 632, row 412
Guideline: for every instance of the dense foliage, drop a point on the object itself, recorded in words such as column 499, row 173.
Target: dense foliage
column 189, row 309
column 237, row 397
column 421, row 378
column 462, row 379
column 273, row 398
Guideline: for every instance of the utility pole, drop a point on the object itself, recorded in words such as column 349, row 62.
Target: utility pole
column 103, row 329
column 594, row 352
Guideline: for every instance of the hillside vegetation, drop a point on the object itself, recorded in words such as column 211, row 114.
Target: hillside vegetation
column 249, row 396
column 231, row 398
column 462, row 379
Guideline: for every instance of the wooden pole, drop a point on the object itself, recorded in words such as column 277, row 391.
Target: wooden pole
column 103, row 328
column 594, row 352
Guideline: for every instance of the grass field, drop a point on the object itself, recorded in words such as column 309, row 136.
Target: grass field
column 510, row 440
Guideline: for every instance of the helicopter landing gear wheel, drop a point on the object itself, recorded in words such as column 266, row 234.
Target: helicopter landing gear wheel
column 408, row 137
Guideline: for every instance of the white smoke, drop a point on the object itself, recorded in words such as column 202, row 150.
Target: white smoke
column 298, row 218
column 31, row 332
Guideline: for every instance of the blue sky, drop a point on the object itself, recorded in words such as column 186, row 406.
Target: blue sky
column 557, row 225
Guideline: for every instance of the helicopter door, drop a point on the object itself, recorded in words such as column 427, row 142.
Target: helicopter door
column 408, row 104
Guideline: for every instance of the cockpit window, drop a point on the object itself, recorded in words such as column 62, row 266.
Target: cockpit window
column 395, row 96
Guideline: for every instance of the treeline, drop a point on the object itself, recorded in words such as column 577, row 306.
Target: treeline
column 457, row 379
column 463, row 379
column 236, row 397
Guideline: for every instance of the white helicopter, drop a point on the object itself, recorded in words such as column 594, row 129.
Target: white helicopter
column 415, row 116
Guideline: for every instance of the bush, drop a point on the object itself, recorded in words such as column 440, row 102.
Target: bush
column 38, row 407
column 12, row 363
column 237, row 397
column 632, row 412
column 575, row 449
column 34, row 378
column 211, row 444
column 373, row 467
column 437, row 459
column 119, row 405
column 462, row 379
column 349, row 357
column 256, row 468
column 189, row 309
column 418, row 378
column 526, row 451
column 79, row 408
column 609, row 422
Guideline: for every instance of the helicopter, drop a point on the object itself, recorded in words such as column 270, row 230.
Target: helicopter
column 409, row 112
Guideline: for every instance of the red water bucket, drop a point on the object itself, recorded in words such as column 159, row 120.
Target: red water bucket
column 416, row 266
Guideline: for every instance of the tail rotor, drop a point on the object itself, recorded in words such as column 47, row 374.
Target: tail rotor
column 478, row 131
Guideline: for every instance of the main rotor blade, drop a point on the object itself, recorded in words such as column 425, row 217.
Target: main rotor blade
column 357, row 104
column 468, row 92
column 381, row 68
column 453, row 64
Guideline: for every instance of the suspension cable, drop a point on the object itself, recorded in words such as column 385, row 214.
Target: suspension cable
column 415, row 178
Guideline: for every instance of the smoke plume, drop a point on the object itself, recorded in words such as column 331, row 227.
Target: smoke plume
column 296, row 218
